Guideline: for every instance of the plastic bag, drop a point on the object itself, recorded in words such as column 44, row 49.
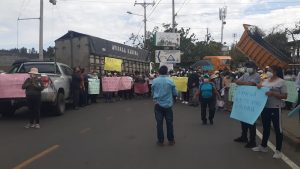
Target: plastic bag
column 220, row 103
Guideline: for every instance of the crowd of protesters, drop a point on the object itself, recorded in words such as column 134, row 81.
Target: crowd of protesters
column 208, row 89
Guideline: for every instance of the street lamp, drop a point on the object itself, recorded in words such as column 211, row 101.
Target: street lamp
column 145, row 20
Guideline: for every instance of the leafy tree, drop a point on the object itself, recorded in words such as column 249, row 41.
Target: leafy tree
column 279, row 39
column 23, row 50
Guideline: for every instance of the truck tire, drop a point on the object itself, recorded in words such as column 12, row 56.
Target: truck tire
column 60, row 105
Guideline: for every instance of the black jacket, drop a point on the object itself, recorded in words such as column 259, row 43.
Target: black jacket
column 193, row 79
column 33, row 86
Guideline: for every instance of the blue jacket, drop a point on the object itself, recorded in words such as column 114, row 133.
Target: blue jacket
column 163, row 90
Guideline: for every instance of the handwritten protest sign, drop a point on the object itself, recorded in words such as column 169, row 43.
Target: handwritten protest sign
column 232, row 89
column 180, row 83
column 11, row 85
column 248, row 103
column 125, row 83
column 292, row 91
column 110, row 84
column 94, row 86
column 114, row 84
column 113, row 64
column 294, row 111
column 141, row 88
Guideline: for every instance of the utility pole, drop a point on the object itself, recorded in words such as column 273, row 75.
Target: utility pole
column 145, row 5
column 41, row 50
column 173, row 16
column 234, row 38
column 222, row 17
column 207, row 36
column 41, row 18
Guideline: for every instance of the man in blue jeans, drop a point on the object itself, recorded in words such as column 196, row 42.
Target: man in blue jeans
column 163, row 91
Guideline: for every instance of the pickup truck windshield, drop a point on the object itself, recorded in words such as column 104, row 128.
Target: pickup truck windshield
column 43, row 68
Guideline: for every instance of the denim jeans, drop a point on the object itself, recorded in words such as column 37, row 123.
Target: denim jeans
column 160, row 114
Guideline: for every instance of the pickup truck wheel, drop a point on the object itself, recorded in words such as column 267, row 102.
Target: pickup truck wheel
column 60, row 105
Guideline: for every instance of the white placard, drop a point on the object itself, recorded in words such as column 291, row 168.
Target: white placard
column 167, row 39
column 167, row 56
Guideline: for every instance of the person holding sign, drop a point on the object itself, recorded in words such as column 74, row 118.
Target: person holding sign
column 163, row 91
column 272, row 110
column 207, row 92
column 250, row 78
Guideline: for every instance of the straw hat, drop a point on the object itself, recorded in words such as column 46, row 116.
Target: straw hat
column 34, row 71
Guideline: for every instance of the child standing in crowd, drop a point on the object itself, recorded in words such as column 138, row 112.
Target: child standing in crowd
column 33, row 87
column 208, row 94
column 272, row 110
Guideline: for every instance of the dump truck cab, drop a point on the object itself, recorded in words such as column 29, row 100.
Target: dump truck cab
column 219, row 62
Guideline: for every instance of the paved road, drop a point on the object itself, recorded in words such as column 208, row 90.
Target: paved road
column 122, row 136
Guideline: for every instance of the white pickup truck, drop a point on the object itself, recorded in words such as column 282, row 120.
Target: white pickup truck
column 55, row 76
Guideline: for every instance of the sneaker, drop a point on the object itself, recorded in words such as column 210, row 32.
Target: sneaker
column 260, row 149
column 277, row 154
column 171, row 143
column 241, row 140
column 37, row 126
column 250, row 145
column 27, row 126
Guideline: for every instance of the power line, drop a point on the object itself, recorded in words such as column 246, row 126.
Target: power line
column 191, row 3
column 181, row 7
column 154, row 8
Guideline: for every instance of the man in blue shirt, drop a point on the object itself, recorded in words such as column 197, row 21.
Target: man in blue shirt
column 163, row 91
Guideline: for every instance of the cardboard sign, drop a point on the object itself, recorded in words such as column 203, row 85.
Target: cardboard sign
column 232, row 89
column 180, row 83
column 11, row 85
column 125, row 83
column 141, row 88
column 292, row 91
column 112, row 64
column 249, row 101
column 110, row 84
column 94, row 86
column 114, row 84
column 294, row 111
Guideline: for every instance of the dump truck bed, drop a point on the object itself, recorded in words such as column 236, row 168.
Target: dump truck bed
column 260, row 51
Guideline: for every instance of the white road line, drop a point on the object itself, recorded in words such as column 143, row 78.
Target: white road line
column 288, row 161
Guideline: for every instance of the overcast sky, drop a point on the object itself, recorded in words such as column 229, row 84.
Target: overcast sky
column 108, row 18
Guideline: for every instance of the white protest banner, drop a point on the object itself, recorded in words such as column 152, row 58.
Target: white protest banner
column 94, row 86
column 167, row 39
column 167, row 56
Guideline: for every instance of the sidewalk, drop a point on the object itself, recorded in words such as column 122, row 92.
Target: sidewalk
column 291, row 128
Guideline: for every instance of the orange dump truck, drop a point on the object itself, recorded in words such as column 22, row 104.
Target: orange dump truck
column 260, row 51
column 219, row 62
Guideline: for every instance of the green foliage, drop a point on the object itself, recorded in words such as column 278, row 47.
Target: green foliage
column 279, row 39
column 192, row 49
